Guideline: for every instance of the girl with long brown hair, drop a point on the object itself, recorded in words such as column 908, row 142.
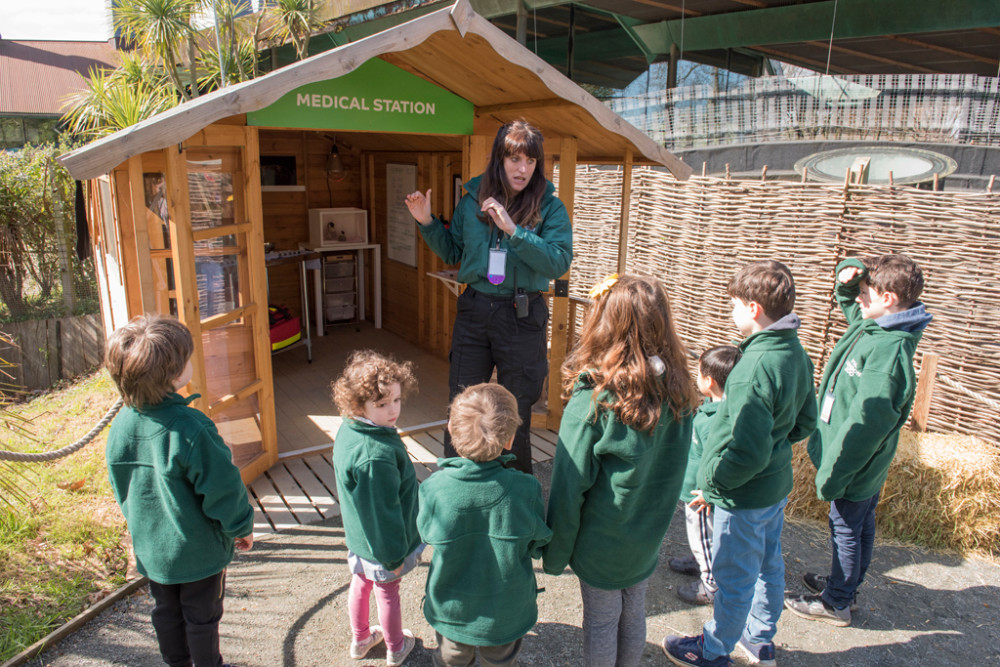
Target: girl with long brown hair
column 620, row 460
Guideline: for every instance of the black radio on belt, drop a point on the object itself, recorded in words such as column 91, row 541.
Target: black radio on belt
column 521, row 304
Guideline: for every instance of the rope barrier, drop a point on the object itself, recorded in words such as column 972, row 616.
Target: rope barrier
column 65, row 451
column 968, row 392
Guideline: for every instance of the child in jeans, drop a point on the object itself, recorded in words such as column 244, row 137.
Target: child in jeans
column 865, row 398
column 746, row 470
column 714, row 367
column 377, row 490
column 175, row 481
column 485, row 522
column 619, row 464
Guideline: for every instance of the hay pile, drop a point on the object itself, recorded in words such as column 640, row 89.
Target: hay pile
column 943, row 491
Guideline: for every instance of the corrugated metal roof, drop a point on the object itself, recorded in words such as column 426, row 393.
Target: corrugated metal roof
column 36, row 76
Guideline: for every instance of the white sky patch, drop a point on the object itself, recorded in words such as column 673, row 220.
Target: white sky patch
column 68, row 20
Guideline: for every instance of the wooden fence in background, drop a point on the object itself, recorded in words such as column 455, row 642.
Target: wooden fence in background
column 47, row 351
column 694, row 235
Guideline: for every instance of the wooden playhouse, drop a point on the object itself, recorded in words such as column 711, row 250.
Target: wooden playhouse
column 315, row 159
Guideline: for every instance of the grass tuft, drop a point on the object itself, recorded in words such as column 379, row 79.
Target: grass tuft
column 63, row 541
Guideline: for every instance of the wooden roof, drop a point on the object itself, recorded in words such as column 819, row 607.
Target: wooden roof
column 454, row 48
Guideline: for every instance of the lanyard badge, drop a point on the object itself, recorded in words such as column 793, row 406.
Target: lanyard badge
column 496, row 267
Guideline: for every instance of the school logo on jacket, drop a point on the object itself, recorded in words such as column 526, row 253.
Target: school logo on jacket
column 851, row 368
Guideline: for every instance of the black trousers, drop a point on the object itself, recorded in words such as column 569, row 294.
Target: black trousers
column 487, row 335
column 186, row 619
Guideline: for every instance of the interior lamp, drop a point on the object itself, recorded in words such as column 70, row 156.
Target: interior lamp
column 334, row 165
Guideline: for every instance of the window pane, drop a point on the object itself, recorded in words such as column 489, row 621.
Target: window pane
column 210, row 189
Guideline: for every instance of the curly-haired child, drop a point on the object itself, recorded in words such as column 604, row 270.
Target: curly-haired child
column 377, row 489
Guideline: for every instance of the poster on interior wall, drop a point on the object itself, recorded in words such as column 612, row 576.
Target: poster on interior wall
column 400, row 180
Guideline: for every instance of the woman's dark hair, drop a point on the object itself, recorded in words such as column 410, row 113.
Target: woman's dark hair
column 523, row 207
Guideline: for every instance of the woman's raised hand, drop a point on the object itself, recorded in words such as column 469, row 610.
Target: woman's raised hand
column 420, row 206
column 499, row 215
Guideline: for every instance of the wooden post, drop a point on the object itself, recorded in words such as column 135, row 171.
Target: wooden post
column 675, row 53
column 925, row 389
column 626, row 206
column 560, row 304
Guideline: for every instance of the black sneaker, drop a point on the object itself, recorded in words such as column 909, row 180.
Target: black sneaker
column 816, row 583
column 685, row 565
column 696, row 593
column 758, row 654
column 815, row 608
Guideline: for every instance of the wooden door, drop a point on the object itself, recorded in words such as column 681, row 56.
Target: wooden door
column 216, row 241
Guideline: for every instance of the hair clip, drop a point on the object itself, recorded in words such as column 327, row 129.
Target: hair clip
column 656, row 365
column 603, row 286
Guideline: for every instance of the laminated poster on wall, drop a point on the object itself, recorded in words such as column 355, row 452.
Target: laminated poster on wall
column 401, row 180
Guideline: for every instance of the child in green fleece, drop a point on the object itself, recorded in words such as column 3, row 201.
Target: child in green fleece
column 175, row 481
column 746, row 470
column 714, row 366
column 485, row 523
column 623, row 445
column 865, row 397
column 377, row 490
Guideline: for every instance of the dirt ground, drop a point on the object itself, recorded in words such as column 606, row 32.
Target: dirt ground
column 287, row 605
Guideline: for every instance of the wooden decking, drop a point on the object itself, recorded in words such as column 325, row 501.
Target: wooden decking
column 300, row 488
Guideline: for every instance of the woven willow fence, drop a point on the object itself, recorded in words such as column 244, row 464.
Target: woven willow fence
column 694, row 235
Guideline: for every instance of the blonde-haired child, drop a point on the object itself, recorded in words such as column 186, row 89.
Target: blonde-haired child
column 377, row 489
column 485, row 522
column 620, row 460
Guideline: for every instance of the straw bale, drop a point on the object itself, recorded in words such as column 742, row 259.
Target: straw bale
column 943, row 491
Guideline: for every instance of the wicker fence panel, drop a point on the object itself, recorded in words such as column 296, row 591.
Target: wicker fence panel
column 694, row 235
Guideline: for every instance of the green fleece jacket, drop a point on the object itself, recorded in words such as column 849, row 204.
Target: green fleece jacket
column 613, row 493
column 770, row 404
column 175, row 481
column 486, row 523
column 377, row 490
column 870, row 375
column 700, row 429
column 538, row 255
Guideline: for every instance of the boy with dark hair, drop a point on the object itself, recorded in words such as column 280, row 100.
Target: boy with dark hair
column 175, row 481
column 865, row 398
column 714, row 367
column 746, row 470
column 486, row 522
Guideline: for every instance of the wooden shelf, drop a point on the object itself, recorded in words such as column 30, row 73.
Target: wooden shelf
column 282, row 188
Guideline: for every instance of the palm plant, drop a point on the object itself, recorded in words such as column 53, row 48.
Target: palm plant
column 113, row 100
column 161, row 28
column 296, row 22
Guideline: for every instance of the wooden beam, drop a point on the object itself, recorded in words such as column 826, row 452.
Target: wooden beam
column 624, row 217
column 258, row 320
column 870, row 56
column 560, row 304
column 140, row 220
column 965, row 55
column 526, row 105
column 818, row 65
column 182, row 244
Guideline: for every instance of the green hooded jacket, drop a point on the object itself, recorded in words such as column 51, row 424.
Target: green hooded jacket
column 486, row 523
column 770, row 404
column 183, row 498
column 870, row 374
column 614, row 490
column 537, row 255
column 700, row 429
column 377, row 490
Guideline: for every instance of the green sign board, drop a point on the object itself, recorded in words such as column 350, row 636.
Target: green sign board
column 376, row 96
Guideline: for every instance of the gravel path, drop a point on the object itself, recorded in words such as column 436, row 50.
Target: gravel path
column 286, row 605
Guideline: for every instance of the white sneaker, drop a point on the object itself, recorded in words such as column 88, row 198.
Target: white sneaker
column 358, row 651
column 397, row 658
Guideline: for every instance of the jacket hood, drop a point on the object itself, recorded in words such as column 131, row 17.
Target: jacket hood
column 911, row 320
column 789, row 321
column 173, row 398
